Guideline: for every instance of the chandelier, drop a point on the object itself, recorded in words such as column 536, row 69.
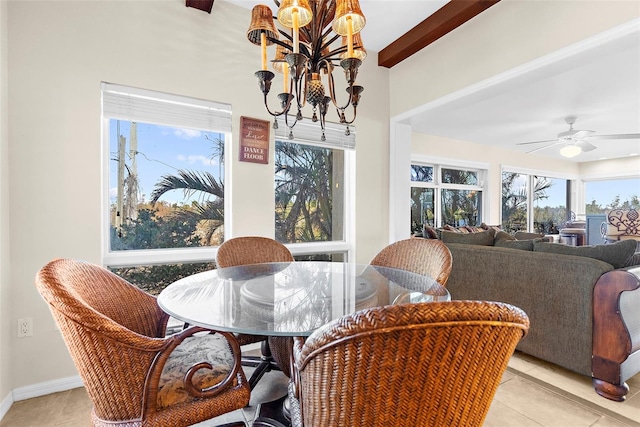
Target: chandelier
column 307, row 54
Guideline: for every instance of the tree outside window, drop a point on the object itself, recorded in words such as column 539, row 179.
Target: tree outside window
column 164, row 183
column 444, row 196
column 546, row 203
column 309, row 193
column 167, row 191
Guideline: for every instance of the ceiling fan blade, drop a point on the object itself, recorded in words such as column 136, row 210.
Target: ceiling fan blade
column 546, row 146
column 617, row 136
column 575, row 134
column 536, row 142
column 585, row 146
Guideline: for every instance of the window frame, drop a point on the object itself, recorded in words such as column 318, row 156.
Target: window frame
column 132, row 258
column 309, row 134
column 482, row 169
column 573, row 196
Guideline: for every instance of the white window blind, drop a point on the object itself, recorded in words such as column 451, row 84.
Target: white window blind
column 308, row 132
column 140, row 105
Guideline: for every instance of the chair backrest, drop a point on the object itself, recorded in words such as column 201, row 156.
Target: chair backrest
column 251, row 250
column 428, row 364
column 622, row 224
column 429, row 257
column 255, row 250
column 105, row 322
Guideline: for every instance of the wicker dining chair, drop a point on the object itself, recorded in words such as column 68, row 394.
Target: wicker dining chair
column 255, row 250
column 426, row 364
column 133, row 374
column 429, row 257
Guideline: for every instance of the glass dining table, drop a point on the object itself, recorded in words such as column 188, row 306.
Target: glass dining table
column 290, row 299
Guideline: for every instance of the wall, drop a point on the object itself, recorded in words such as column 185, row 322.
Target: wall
column 59, row 52
column 5, row 323
column 498, row 40
column 618, row 168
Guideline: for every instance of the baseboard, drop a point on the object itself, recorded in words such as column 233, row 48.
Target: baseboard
column 37, row 390
column 47, row 387
column 5, row 405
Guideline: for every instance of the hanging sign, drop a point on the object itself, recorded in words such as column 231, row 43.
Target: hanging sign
column 254, row 140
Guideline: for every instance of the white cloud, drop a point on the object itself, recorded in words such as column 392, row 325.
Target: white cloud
column 187, row 133
column 193, row 159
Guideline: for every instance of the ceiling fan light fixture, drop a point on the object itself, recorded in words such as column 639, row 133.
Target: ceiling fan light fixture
column 570, row 151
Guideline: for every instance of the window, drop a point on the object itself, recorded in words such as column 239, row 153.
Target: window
column 602, row 196
column 164, row 193
column 533, row 202
column 313, row 191
column 445, row 195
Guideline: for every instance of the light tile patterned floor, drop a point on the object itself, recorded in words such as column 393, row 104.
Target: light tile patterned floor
column 532, row 394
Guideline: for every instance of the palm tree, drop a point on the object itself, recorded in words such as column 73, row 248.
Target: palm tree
column 514, row 203
column 304, row 193
column 208, row 213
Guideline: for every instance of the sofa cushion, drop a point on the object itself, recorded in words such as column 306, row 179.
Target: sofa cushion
column 616, row 254
column 484, row 238
column 525, row 245
column 525, row 235
column 502, row 236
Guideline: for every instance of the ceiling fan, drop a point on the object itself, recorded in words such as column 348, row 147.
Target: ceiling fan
column 576, row 141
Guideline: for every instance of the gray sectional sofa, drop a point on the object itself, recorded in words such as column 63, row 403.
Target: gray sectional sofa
column 584, row 312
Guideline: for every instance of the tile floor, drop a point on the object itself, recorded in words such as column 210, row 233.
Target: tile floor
column 532, row 393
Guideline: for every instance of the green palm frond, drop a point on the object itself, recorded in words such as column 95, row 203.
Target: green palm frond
column 190, row 182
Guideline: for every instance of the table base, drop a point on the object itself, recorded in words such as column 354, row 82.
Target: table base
column 273, row 414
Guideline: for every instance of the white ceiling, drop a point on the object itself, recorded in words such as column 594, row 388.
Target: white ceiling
column 597, row 81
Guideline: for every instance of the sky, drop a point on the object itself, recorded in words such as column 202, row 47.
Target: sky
column 162, row 150
column 603, row 192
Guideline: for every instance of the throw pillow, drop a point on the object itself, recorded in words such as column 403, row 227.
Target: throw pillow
column 502, row 236
column 455, row 229
column 429, row 232
column 487, row 227
column 616, row 254
column 484, row 238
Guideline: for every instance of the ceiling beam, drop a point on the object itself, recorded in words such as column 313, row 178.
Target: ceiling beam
column 446, row 19
column 205, row 5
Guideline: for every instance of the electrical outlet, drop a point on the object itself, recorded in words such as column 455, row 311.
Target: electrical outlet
column 25, row 327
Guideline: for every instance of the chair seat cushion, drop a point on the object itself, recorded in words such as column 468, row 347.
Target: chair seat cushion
column 211, row 348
